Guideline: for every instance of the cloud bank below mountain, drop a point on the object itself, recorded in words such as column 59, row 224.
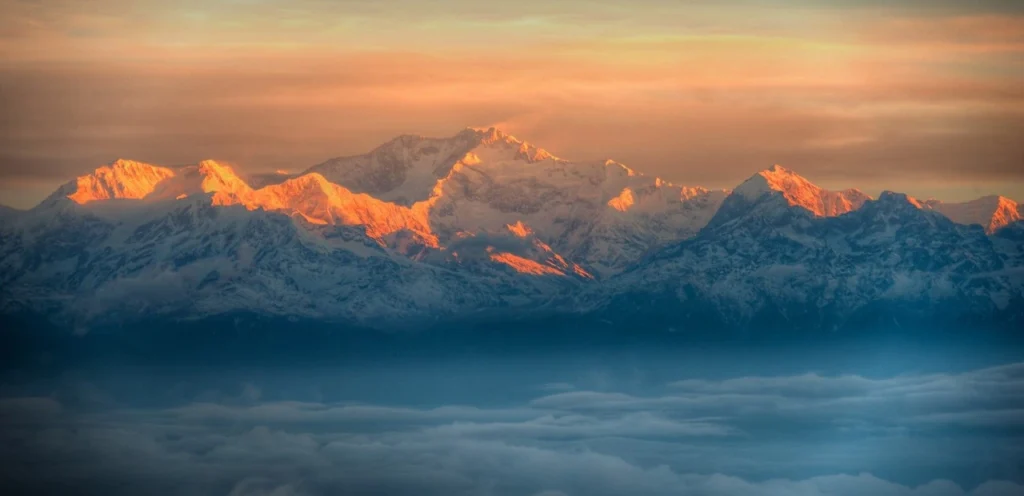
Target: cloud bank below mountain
column 789, row 435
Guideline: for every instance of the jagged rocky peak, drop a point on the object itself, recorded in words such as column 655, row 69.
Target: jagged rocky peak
column 991, row 212
column 800, row 192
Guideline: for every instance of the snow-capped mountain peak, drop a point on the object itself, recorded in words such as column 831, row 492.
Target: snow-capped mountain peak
column 526, row 151
column 407, row 169
column 800, row 192
column 133, row 180
column 483, row 221
column 991, row 212
column 320, row 201
column 208, row 176
column 310, row 197
column 119, row 179
column 895, row 198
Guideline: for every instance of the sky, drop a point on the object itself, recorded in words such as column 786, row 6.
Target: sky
column 926, row 97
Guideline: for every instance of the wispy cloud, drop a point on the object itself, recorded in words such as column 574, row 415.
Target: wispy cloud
column 852, row 94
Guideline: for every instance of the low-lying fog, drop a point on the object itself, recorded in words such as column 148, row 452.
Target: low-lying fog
column 891, row 420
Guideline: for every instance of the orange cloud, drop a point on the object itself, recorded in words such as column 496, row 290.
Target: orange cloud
column 696, row 93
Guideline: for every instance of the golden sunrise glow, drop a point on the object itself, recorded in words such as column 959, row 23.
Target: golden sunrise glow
column 309, row 196
column 925, row 98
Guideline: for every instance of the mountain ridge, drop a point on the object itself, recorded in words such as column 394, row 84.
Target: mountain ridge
column 484, row 223
column 798, row 191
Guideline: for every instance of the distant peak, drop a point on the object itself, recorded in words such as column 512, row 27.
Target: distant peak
column 778, row 177
column 774, row 179
column 122, row 178
column 988, row 200
column 998, row 201
column 800, row 192
column 894, row 197
column 992, row 212
column 494, row 136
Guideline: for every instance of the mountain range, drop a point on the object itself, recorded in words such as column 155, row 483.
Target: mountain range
column 425, row 232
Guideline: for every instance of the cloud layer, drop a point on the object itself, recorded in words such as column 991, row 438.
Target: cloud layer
column 800, row 435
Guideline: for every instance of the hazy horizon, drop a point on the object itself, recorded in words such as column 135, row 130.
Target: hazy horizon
column 29, row 199
column 924, row 98
column 926, row 420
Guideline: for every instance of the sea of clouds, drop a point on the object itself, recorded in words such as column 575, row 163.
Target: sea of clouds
column 935, row 434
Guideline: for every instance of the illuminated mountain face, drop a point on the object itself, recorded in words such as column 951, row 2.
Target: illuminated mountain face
column 991, row 212
column 422, row 229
